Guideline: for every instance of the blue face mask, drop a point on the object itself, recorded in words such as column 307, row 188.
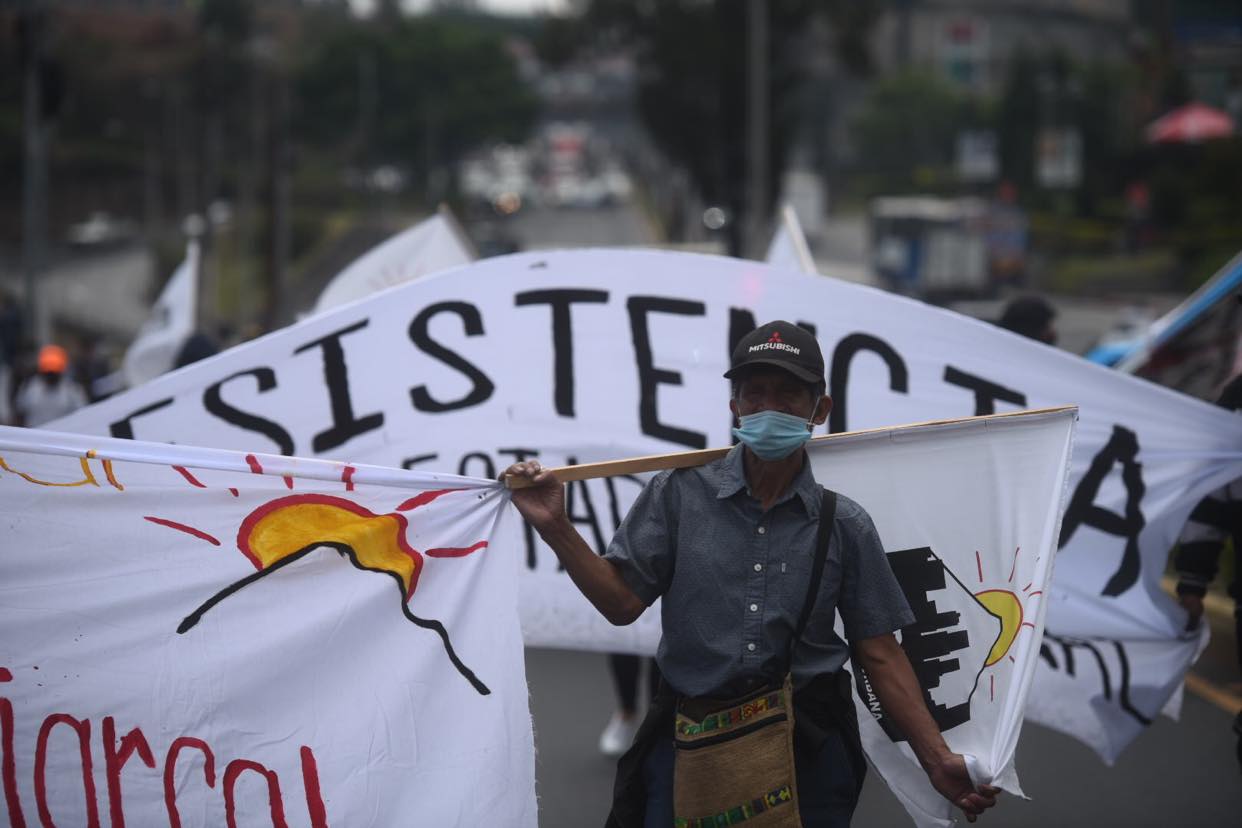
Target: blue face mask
column 773, row 435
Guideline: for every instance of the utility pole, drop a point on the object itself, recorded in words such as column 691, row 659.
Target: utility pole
column 278, row 198
column 31, row 25
column 756, row 125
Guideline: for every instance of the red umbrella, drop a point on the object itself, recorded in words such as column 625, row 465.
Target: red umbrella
column 1190, row 124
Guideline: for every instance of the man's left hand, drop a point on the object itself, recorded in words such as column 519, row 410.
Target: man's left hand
column 952, row 780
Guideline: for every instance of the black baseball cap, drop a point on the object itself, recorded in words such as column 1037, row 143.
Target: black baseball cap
column 780, row 344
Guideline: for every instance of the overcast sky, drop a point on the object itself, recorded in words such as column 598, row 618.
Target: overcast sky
column 498, row 6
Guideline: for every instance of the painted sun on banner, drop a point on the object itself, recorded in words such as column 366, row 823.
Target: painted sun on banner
column 206, row 637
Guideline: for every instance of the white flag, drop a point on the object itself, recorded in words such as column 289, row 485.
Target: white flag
column 429, row 246
column 223, row 638
column 578, row 356
column 172, row 320
column 968, row 513
column 789, row 248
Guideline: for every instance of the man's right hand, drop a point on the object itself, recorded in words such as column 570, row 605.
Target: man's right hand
column 1193, row 604
column 543, row 506
column 541, row 503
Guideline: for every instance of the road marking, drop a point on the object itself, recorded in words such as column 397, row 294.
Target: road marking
column 1209, row 692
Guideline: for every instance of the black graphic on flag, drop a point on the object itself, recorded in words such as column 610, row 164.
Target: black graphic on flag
column 938, row 643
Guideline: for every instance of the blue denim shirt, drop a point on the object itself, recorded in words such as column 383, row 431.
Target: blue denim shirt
column 734, row 577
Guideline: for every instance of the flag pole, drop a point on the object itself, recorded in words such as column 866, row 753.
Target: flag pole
column 690, row 459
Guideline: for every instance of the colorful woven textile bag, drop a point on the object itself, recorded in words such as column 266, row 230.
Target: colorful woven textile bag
column 734, row 762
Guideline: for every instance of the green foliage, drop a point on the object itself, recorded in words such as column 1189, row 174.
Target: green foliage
column 1103, row 273
column 557, row 40
column 440, row 86
column 909, row 122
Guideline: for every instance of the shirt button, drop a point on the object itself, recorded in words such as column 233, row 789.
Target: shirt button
column 754, row 607
column 751, row 646
column 762, row 530
column 758, row 567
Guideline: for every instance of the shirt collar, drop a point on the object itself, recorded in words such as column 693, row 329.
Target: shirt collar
column 733, row 480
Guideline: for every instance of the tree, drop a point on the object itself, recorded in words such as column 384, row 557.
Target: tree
column 909, row 121
column 1019, row 121
column 692, row 85
column 441, row 86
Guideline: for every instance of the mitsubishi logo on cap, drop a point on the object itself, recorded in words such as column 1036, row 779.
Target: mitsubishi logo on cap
column 780, row 344
column 774, row 343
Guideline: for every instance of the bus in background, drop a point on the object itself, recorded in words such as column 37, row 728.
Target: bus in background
column 938, row 248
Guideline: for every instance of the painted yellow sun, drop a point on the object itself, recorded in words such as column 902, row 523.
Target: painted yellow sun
column 1007, row 604
column 1004, row 605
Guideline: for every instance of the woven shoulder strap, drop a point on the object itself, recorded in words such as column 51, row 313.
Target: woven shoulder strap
column 827, row 514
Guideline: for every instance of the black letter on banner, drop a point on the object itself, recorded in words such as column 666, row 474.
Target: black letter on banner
column 614, row 503
column 898, row 376
column 124, row 428
column 986, row 391
column 741, row 322
column 590, row 517
column 483, row 387
column 1121, row 448
column 345, row 426
column 519, row 456
column 216, row 405
column 562, row 337
column 1067, row 648
column 650, row 378
column 489, row 468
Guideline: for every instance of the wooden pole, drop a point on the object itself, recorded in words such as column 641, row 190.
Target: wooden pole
column 689, row 459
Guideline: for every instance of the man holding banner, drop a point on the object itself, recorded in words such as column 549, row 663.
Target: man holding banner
column 753, row 559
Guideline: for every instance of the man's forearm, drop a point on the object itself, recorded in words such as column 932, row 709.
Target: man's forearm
column 595, row 577
column 899, row 692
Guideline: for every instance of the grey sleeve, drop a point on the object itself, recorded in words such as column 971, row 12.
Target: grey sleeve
column 872, row 602
column 642, row 547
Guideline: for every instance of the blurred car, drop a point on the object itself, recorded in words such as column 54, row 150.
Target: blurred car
column 100, row 228
column 923, row 245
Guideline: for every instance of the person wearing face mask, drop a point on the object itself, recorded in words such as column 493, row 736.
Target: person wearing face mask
column 732, row 547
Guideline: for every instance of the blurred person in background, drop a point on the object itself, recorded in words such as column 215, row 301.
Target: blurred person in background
column 619, row 732
column 49, row 394
column 1216, row 520
column 92, row 368
column 10, row 340
column 197, row 345
column 1032, row 317
column 10, row 328
column 6, row 409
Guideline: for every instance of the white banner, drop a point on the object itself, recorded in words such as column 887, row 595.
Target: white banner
column 172, row 320
column 205, row 637
column 969, row 514
column 577, row 356
column 431, row 245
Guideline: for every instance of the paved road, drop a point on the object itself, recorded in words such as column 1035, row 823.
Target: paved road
column 615, row 226
column 1175, row 774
